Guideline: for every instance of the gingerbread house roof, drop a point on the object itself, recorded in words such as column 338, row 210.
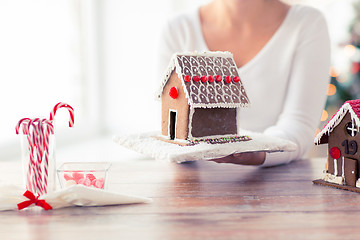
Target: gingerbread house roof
column 351, row 106
column 209, row 79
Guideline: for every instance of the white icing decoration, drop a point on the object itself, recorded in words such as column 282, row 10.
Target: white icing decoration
column 328, row 177
column 343, row 169
column 191, row 113
column 358, row 183
column 222, row 59
column 336, row 119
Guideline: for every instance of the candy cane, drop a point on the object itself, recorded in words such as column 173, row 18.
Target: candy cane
column 37, row 132
column 48, row 130
column 36, row 146
column 35, row 136
column 31, row 164
column 63, row 105
column 22, row 122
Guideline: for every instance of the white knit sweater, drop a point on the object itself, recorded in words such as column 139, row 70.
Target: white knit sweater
column 286, row 81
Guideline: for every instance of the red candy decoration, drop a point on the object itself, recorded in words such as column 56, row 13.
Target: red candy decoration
column 173, row 92
column 228, row 79
column 236, row 79
column 211, row 78
column 203, row 79
column 335, row 153
column 196, row 78
column 218, row 78
column 187, row 78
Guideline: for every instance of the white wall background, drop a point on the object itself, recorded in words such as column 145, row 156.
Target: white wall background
column 100, row 57
column 131, row 38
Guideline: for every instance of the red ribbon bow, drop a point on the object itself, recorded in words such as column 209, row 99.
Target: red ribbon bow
column 33, row 199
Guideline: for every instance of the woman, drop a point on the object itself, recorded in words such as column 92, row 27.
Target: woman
column 283, row 56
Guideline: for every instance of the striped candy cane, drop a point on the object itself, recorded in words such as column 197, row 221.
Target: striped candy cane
column 24, row 123
column 34, row 132
column 31, row 164
column 63, row 105
column 37, row 132
column 49, row 129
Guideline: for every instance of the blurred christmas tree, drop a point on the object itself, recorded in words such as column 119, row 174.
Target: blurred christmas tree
column 345, row 85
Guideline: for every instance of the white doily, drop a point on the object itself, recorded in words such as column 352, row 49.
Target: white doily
column 148, row 145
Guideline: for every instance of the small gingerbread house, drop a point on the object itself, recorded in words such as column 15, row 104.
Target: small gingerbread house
column 342, row 136
column 200, row 95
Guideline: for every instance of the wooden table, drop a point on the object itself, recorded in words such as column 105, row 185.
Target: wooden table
column 199, row 200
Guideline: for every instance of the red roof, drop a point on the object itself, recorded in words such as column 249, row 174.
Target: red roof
column 351, row 106
column 355, row 105
column 210, row 79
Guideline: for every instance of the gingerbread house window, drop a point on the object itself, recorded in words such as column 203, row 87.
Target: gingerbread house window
column 351, row 129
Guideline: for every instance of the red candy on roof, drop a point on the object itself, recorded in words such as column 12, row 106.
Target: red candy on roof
column 218, row 78
column 196, row 78
column 211, row 68
column 203, row 79
column 227, row 79
column 236, row 79
column 211, row 78
column 187, row 78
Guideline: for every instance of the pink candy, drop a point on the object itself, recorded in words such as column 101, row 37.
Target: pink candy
column 77, row 176
column 90, row 176
column 98, row 183
column 68, row 177
column 86, row 180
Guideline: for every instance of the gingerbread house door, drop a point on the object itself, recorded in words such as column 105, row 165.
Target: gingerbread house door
column 172, row 125
column 350, row 171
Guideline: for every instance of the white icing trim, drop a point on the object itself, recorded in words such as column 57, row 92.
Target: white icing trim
column 178, row 71
column 220, row 105
column 214, row 136
column 176, row 139
column 328, row 177
column 358, row 183
column 191, row 113
column 190, row 137
column 174, row 65
column 167, row 75
column 343, row 169
column 336, row 119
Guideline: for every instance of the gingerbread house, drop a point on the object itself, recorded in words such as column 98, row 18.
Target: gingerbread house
column 342, row 135
column 200, row 95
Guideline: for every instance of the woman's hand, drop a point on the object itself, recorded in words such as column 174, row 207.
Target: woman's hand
column 247, row 158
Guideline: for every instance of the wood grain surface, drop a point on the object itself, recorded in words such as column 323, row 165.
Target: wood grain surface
column 199, row 200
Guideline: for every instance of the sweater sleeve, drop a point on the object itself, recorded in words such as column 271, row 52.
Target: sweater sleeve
column 178, row 35
column 306, row 94
column 168, row 45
